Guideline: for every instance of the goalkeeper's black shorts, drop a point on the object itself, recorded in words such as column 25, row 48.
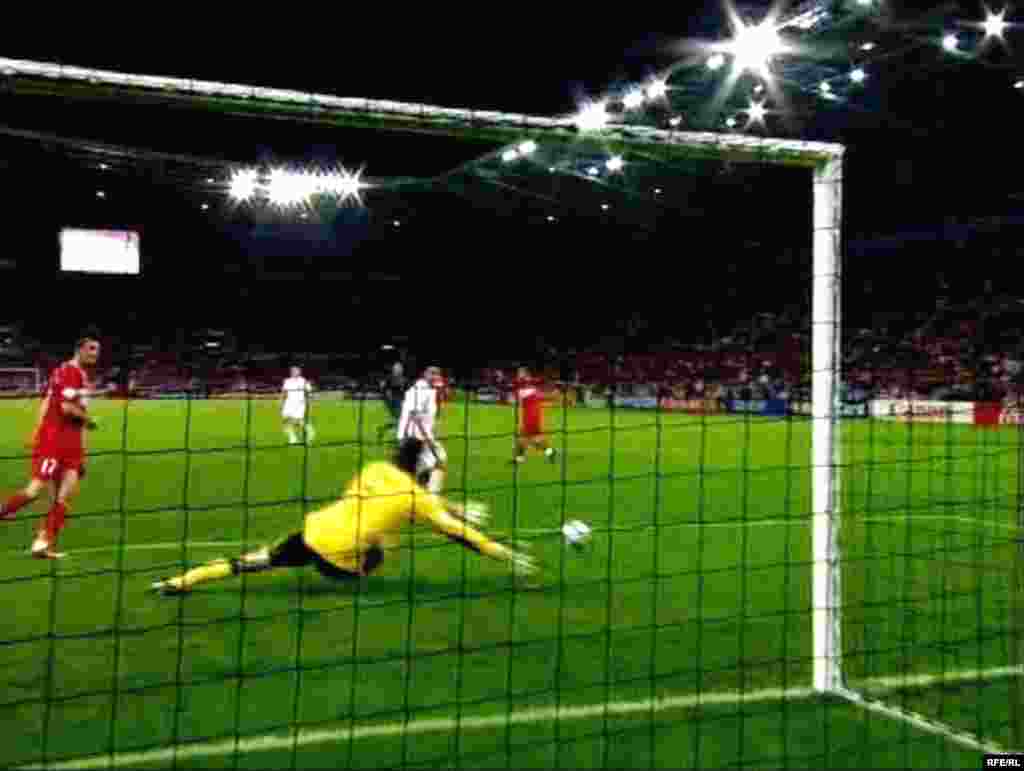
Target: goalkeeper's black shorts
column 293, row 552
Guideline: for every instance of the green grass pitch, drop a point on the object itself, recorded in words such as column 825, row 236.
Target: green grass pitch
column 695, row 588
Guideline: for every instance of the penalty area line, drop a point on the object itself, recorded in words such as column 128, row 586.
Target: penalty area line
column 302, row 737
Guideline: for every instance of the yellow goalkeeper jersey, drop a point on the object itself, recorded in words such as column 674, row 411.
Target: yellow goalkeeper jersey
column 377, row 503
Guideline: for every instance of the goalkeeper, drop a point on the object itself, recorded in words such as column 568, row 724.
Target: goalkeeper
column 347, row 539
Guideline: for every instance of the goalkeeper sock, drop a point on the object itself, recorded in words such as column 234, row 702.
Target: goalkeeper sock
column 214, row 571
column 55, row 519
column 14, row 503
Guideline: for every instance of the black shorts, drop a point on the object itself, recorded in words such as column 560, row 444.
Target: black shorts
column 293, row 552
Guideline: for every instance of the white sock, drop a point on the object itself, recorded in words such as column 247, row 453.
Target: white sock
column 549, row 452
column 436, row 482
column 310, row 432
column 293, row 437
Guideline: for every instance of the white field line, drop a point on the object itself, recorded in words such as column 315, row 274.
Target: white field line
column 527, row 531
column 922, row 723
column 305, row 737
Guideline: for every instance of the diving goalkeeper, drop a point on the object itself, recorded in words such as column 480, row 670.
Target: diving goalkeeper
column 347, row 539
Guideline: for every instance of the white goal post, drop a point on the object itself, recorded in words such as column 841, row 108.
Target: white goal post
column 824, row 159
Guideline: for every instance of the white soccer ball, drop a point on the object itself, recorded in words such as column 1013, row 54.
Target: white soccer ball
column 576, row 533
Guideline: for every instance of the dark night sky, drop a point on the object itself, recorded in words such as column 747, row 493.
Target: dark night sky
column 941, row 158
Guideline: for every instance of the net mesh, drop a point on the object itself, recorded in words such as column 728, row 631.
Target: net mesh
column 679, row 403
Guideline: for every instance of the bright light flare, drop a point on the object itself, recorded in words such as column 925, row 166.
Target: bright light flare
column 343, row 184
column 633, row 99
column 1019, row 84
column 243, row 184
column 950, row 42
column 995, row 24
column 754, row 47
column 858, row 75
column 615, row 163
column 592, row 117
column 289, row 188
column 509, row 155
column 716, row 62
column 527, row 148
column 757, row 112
column 657, row 89
column 869, row 46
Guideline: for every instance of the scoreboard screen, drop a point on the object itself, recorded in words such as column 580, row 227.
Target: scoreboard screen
column 99, row 251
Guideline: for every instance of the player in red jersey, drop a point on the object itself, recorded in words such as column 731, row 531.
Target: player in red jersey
column 58, row 445
column 529, row 395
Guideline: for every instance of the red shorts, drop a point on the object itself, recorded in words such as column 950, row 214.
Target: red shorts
column 50, row 465
column 532, row 426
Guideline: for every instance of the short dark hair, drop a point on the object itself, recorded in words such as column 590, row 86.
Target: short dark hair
column 89, row 333
column 408, row 454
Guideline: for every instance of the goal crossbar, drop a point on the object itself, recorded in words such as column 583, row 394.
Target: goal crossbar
column 481, row 126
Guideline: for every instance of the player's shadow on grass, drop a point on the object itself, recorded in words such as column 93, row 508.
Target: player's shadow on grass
column 386, row 587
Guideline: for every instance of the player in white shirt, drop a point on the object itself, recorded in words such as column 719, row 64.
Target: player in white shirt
column 419, row 415
column 295, row 393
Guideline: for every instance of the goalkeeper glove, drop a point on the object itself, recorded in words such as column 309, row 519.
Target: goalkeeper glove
column 476, row 513
column 523, row 564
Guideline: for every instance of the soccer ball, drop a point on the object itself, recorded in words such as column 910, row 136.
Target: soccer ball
column 576, row 533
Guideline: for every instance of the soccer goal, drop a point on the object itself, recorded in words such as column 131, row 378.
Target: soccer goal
column 785, row 566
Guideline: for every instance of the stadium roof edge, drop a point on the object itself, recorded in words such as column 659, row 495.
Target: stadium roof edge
column 20, row 76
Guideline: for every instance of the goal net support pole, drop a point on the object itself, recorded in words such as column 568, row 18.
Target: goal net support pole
column 825, row 450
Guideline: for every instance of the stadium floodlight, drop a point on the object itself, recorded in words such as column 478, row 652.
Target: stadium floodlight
column 243, row 184
column 757, row 112
column 288, row 188
column 615, row 163
column 527, row 148
column 593, row 171
column 826, row 87
column 343, row 184
column 550, row 218
column 592, row 117
column 716, row 62
column 509, row 155
column 858, row 75
column 869, row 46
column 754, row 46
column 657, row 89
column 731, row 122
column 104, row 167
column 673, row 122
column 950, row 42
column 605, row 207
column 100, row 194
column 995, row 24
column 633, row 99
column 1019, row 84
